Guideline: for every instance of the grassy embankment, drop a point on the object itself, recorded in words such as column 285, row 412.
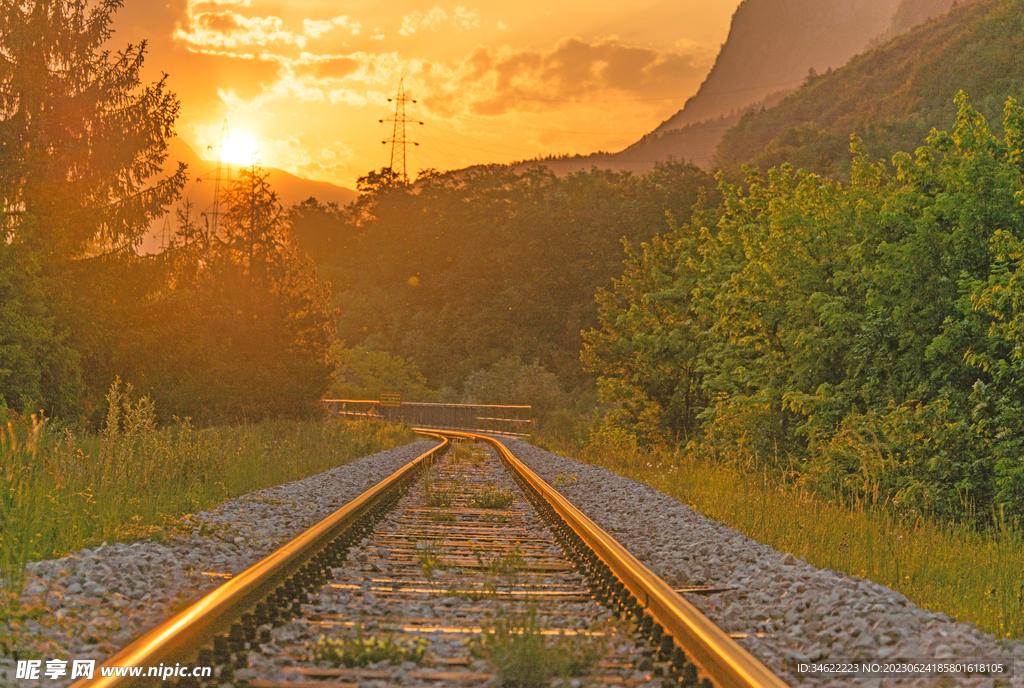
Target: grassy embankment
column 63, row 491
column 969, row 575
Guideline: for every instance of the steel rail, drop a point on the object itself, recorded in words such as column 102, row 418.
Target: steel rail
column 180, row 638
column 709, row 647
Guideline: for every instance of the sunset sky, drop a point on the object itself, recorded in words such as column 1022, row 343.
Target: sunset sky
column 305, row 82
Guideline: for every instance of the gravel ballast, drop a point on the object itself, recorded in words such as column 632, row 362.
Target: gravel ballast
column 96, row 601
column 791, row 611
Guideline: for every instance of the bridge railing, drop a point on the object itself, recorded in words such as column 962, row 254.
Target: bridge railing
column 496, row 419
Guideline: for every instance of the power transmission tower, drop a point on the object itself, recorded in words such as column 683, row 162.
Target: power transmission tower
column 165, row 234
column 223, row 173
column 398, row 138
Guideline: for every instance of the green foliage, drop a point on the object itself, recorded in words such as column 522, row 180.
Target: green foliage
column 80, row 138
column 82, row 145
column 462, row 270
column 493, row 498
column 364, row 374
column 510, row 381
column 38, row 370
column 236, row 325
column 645, row 352
column 63, row 490
column 525, row 658
column 227, row 324
column 863, row 336
column 440, row 495
column 363, row 651
column 321, row 231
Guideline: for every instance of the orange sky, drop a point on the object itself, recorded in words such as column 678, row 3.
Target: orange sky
column 305, row 82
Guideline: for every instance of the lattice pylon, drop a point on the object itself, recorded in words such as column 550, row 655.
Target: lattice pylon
column 398, row 138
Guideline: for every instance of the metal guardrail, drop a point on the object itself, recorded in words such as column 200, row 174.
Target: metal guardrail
column 180, row 638
column 711, row 648
column 515, row 421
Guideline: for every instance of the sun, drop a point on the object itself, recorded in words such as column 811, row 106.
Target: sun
column 240, row 148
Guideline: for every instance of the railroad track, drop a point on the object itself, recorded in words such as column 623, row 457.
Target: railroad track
column 463, row 568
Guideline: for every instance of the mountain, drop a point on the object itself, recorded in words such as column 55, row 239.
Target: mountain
column 773, row 43
column 773, row 47
column 891, row 96
column 290, row 188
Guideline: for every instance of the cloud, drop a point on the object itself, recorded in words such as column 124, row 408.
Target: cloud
column 434, row 19
column 316, row 28
column 506, row 79
column 324, row 66
column 228, row 29
column 489, row 81
column 198, row 3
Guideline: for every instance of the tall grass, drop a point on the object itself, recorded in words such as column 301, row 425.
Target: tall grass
column 64, row 490
column 971, row 575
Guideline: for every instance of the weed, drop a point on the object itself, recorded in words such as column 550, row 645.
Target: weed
column 523, row 657
column 362, row 651
column 563, row 479
column 500, row 567
column 461, row 451
column 65, row 490
column 507, row 564
column 429, row 556
column 437, row 496
column 442, row 517
column 493, row 498
column 950, row 568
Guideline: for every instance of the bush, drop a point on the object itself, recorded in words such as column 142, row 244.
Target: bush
column 510, row 381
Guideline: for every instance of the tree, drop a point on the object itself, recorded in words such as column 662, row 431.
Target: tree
column 80, row 139
column 245, row 326
column 321, row 231
column 364, row 374
column 37, row 367
column 82, row 144
column 866, row 334
column 510, row 381
column 646, row 350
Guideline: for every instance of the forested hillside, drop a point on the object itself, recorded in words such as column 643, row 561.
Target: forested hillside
column 891, row 96
column 772, row 47
column 773, row 43
column 458, row 272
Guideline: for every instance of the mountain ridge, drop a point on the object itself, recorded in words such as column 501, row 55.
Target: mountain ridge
column 290, row 188
column 774, row 47
column 892, row 96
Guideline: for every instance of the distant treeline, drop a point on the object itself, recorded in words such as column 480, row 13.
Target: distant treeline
column 868, row 337
column 461, row 271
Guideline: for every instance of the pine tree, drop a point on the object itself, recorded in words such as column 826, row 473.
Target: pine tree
column 247, row 326
column 82, row 144
column 81, row 139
